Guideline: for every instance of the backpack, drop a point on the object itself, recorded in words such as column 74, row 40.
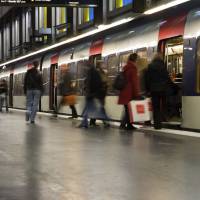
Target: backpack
column 120, row 81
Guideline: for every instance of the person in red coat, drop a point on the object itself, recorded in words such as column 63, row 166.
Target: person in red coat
column 130, row 91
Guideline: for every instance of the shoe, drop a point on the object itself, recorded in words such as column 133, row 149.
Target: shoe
column 27, row 116
column 32, row 122
column 158, row 127
column 106, row 125
column 82, row 126
column 122, row 126
column 130, row 128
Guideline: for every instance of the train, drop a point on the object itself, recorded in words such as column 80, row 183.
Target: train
column 175, row 35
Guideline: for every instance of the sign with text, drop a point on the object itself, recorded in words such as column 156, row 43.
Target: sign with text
column 53, row 3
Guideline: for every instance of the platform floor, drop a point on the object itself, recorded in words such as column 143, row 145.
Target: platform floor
column 53, row 160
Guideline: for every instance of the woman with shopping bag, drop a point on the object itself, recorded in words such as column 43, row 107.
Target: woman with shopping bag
column 130, row 91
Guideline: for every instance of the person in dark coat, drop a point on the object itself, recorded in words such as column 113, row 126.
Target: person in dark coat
column 130, row 91
column 93, row 85
column 101, row 95
column 157, row 82
column 67, row 89
column 33, row 88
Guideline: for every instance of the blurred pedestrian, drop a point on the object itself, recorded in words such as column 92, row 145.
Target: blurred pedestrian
column 67, row 91
column 33, row 88
column 101, row 94
column 92, row 85
column 130, row 91
column 158, row 82
column 3, row 94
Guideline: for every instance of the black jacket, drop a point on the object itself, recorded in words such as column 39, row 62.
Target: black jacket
column 93, row 84
column 157, row 77
column 33, row 80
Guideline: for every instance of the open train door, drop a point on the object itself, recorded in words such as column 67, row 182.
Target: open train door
column 171, row 44
column 172, row 51
column 53, row 87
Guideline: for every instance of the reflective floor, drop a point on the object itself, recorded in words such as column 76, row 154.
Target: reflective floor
column 53, row 160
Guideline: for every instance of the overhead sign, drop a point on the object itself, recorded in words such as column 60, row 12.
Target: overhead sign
column 51, row 3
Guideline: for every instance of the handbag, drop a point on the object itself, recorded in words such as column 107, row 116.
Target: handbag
column 69, row 100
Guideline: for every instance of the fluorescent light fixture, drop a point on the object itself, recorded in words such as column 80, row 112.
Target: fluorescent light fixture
column 165, row 6
column 90, row 33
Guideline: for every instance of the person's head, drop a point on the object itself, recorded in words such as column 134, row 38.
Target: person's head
column 64, row 67
column 35, row 64
column 133, row 57
column 158, row 56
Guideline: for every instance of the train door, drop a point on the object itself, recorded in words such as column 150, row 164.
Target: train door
column 10, row 94
column 173, row 56
column 53, row 87
column 94, row 59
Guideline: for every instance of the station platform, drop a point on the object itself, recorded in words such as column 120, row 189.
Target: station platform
column 54, row 160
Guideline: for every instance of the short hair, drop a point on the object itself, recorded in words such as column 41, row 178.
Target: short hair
column 35, row 63
column 133, row 57
column 158, row 56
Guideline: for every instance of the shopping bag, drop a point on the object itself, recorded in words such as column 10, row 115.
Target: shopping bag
column 139, row 110
column 69, row 100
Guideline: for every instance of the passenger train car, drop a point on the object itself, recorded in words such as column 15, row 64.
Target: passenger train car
column 176, row 36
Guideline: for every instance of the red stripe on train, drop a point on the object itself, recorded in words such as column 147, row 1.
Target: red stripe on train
column 173, row 27
column 96, row 47
column 54, row 59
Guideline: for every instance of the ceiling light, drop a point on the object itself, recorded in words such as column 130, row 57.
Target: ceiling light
column 165, row 6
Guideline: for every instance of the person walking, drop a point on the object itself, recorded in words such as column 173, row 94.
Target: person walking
column 33, row 88
column 101, row 95
column 92, row 84
column 3, row 94
column 67, row 91
column 130, row 91
column 157, row 84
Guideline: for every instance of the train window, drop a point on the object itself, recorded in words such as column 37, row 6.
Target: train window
column 45, row 75
column 123, row 59
column 81, row 74
column 174, row 58
column 198, row 66
column 142, row 64
column 113, row 65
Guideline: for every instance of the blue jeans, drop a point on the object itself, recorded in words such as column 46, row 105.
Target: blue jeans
column 33, row 99
column 92, row 111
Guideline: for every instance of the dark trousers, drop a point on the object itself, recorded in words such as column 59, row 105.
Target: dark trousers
column 126, row 119
column 158, row 103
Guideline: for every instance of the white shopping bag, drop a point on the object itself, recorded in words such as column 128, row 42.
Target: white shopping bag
column 140, row 110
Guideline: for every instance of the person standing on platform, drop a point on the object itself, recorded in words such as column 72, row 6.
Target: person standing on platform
column 3, row 94
column 157, row 83
column 130, row 91
column 33, row 88
column 67, row 91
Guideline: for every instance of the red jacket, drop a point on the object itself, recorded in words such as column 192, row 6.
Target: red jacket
column 131, row 90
